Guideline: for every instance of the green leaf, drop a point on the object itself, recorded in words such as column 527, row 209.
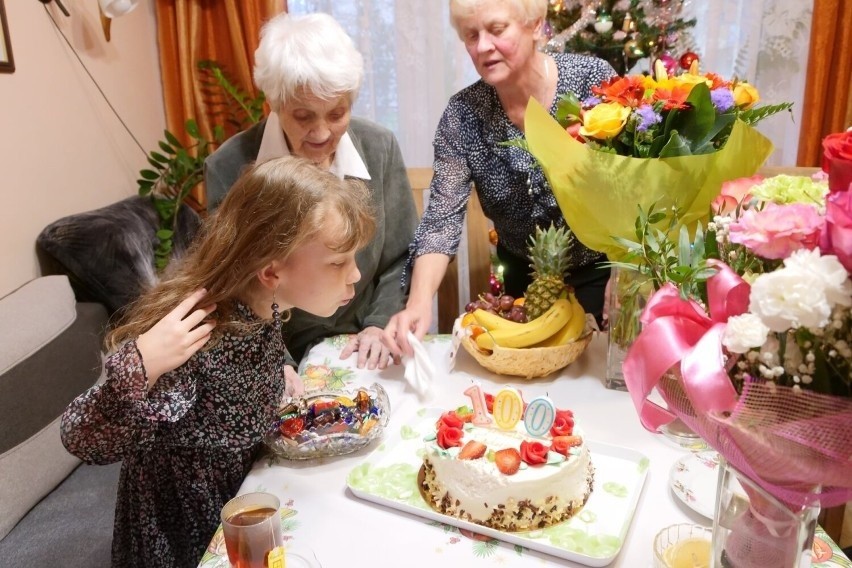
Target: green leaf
column 164, row 234
column 172, row 139
column 166, row 148
column 157, row 157
column 695, row 123
column 684, row 256
column 149, row 175
column 192, row 128
column 567, row 109
column 676, row 146
column 754, row 115
column 722, row 123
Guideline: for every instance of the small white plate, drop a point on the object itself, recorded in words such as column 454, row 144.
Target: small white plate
column 301, row 557
column 693, row 478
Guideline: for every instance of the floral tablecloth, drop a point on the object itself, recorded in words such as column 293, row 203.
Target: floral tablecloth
column 319, row 512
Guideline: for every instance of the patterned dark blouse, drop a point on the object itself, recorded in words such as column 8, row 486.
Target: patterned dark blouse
column 514, row 194
column 187, row 444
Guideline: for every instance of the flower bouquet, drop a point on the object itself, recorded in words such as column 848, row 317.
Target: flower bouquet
column 749, row 341
column 642, row 141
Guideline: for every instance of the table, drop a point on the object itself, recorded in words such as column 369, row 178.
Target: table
column 343, row 530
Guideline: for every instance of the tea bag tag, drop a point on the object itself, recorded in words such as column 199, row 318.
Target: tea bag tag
column 276, row 558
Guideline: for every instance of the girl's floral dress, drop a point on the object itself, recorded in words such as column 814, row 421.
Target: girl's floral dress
column 187, row 444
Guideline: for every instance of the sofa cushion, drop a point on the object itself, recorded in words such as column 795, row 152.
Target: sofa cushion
column 51, row 354
column 72, row 526
column 108, row 253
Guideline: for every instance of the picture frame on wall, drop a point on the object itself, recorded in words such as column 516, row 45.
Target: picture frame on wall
column 7, row 62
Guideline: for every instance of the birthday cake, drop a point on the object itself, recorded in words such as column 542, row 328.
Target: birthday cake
column 488, row 466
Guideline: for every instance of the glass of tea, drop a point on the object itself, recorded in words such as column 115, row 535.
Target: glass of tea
column 252, row 527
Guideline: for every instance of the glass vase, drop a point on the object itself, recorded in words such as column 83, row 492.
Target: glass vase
column 752, row 529
column 628, row 293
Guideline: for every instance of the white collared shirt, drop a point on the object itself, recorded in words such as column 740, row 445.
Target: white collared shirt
column 347, row 161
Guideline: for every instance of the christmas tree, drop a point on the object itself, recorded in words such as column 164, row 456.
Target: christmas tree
column 623, row 31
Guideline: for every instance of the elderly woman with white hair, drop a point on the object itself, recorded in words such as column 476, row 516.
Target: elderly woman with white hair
column 502, row 39
column 310, row 72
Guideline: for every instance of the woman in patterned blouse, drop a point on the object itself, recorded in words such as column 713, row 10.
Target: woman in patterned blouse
column 196, row 372
column 501, row 37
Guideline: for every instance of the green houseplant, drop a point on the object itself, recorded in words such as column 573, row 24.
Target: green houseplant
column 176, row 168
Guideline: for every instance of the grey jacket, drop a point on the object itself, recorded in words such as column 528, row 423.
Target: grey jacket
column 378, row 295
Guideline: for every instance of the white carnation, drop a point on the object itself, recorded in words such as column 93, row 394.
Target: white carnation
column 744, row 332
column 835, row 279
column 789, row 298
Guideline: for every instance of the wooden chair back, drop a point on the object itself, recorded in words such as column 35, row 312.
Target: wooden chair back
column 469, row 271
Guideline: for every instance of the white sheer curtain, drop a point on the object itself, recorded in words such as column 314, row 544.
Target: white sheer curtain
column 414, row 60
column 766, row 43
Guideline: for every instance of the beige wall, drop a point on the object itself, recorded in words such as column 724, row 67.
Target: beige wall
column 62, row 151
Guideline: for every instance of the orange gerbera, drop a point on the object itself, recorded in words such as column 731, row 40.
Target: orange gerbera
column 674, row 98
column 627, row 91
column 717, row 81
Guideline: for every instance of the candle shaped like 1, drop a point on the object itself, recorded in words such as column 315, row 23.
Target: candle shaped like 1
column 508, row 408
column 480, row 409
column 539, row 416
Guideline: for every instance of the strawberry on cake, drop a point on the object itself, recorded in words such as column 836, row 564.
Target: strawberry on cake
column 504, row 477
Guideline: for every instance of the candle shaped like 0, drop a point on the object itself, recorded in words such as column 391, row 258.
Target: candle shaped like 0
column 508, row 408
column 480, row 409
column 539, row 416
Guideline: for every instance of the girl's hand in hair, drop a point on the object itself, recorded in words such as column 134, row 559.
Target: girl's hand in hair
column 176, row 337
column 372, row 353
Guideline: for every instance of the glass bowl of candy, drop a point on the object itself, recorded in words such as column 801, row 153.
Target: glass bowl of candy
column 329, row 423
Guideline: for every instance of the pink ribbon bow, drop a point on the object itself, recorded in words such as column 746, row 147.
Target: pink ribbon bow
column 677, row 330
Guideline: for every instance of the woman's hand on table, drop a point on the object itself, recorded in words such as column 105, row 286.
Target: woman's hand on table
column 372, row 353
column 293, row 385
column 415, row 318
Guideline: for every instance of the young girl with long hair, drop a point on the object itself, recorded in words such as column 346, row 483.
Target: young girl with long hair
column 197, row 365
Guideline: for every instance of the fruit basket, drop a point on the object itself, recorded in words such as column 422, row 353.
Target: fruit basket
column 527, row 362
column 329, row 423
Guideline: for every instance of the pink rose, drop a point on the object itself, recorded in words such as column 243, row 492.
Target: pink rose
column 837, row 160
column 837, row 235
column 733, row 193
column 778, row 230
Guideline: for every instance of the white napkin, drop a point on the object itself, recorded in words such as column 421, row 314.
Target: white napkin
column 419, row 371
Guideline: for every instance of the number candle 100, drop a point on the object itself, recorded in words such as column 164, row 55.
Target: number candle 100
column 509, row 408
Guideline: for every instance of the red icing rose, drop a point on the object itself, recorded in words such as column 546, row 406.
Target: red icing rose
column 489, row 403
column 533, row 453
column 563, row 424
column 449, row 436
column 450, row 419
column 562, row 444
column 837, row 160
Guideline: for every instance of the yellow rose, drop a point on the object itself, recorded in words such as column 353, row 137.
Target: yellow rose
column 688, row 80
column 604, row 121
column 745, row 96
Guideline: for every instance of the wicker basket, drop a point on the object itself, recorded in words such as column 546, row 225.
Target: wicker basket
column 530, row 362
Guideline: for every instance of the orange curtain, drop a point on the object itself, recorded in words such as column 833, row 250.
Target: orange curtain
column 224, row 31
column 828, row 91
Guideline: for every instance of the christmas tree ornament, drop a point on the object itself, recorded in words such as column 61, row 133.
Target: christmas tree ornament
column 492, row 237
column 628, row 25
column 687, row 58
column 669, row 63
column 603, row 24
column 633, row 49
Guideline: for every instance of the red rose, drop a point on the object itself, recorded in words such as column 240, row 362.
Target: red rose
column 449, row 436
column 450, row 419
column 837, row 160
column 836, row 235
column 563, row 424
column 562, row 444
column 533, row 453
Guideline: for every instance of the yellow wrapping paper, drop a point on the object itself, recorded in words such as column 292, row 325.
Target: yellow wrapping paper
column 598, row 192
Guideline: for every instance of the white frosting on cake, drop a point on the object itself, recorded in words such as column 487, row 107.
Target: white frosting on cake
column 533, row 497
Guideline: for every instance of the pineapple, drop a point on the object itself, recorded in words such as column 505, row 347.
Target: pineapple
column 549, row 255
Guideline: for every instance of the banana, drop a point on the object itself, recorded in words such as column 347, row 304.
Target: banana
column 492, row 322
column 571, row 330
column 529, row 333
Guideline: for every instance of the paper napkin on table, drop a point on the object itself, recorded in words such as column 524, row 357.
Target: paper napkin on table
column 419, row 371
